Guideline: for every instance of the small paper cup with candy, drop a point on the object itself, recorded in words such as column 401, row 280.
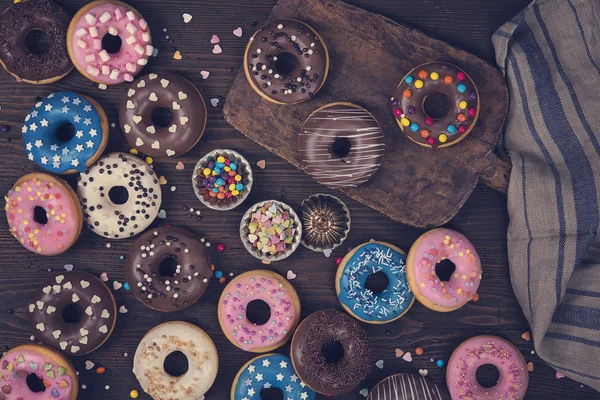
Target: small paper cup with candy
column 271, row 230
column 222, row 179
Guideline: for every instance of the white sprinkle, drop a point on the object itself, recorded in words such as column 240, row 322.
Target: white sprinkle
column 310, row 51
column 280, row 26
column 104, row 18
column 139, row 49
column 107, row 387
column 105, row 70
column 130, row 15
column 104, row 55
column 131, row 40
column 276, row 76
column 149, row 50
column 131, row 28
column 143, row 24
column 102, row 86
column 93, row 70
column 81, row 32
column 131, row 67
column 90, row 58
column 173, row 188
column 90, row 19
column 142, row 61
column 146, row 37
column 207, row 244
column 93, row 31
column 293, row 38
column 83, row 385
column 114, row 74
column 108, row 245
column 113, row 31
column 258, row 51
column 309, row 68
column 81, row 43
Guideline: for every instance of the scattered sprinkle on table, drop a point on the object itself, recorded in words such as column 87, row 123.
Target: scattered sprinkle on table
column 419, row 351
column 440, row 363
column 238, row 32
column 220, row 247
column 261, row 164
column 187, row 17
column 204, row 74
column 134, row 394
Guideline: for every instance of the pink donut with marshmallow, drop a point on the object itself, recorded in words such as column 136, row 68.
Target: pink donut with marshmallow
column 109, row 42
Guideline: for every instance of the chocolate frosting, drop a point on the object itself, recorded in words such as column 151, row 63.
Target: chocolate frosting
column 94, row 302
column 336, row 122
column 21, row 18
column 286, row 61
column 177, row 289
column 412, row 108
column 169, row 91
column 315, row 331
column 325, row 222
column 407, row 387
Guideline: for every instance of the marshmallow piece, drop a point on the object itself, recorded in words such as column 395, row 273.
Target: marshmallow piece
column 93, row 70
column 90, row 19
column 149, row 50
column 131, row 28
column 81, row 43
column 114, row 74
column 97, row 45
column 139, row 49
column 130, row 15
column 146, row 37
column 118, row 14
column 128, row 77
column 143, row 24
column 90, row 58
column 104, row 18
column 142, row 61
column 105, row 70
column 131, row 40
column 113, row 31
column 93, row 31
column 81, row 32
column 104, row 56
column 130, row 67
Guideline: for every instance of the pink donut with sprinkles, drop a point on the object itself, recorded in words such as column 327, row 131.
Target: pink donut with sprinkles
column 443, row 270
column 243, row 313
column 44, row 214
column 109, row 42
column 487, row 350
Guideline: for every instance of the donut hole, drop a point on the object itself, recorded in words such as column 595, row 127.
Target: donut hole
column 35, row 383
column 37, row 42
column 72, row 313
column 118, row 195
column 65, row 132
column 487, row 375
column 176, row 364
column 377, row 282
column 162, row 117
column 286, row 63
column 112, row 44
column 168, row 267
column 40, row 216
column 444, row 270
column 341, row 147
column 271, row 394
column 258, row 312
column 436, row 105
column 332, row 351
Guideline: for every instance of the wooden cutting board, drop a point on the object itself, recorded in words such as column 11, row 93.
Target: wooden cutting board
column 369, row 55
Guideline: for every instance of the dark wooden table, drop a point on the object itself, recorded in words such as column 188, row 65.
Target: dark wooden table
column 464, row 23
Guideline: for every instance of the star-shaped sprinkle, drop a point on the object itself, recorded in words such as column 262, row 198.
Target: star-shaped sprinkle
column 38, row 104
column 65, row 109
column 51, row 95
column 65, row 100
column 251, row 392
column 259, row 377
column 283, row 364
column 54, row 147
column 44, row 160
column 29, row 146
column 248, row 381
column 93, row 132
column 293, row 378
column 79, row 148
column 34, row 114
column 267, row 385
column 39, row 143
column 24, row 129
column 302, row 384
column 48, row 107
column 251, row 368
column 245, row 398
column 89, row 144
column 87, row 121
column 79, row 134
column 266, row 363
column 44, row 122
column 77, row 118
column 87, row 108
column 279, row 376
column 56, row 159
column 33, row 127
column 30, row 156
column 304, row 396
column 56, row 164
column 75, row 162
column 65, row 151
column 288, row 389
column 77, row 101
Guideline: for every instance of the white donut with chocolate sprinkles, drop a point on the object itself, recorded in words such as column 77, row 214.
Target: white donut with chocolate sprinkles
column 120, row 195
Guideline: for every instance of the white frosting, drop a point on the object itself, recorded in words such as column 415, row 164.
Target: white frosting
column 118, row 221
column 203, row 362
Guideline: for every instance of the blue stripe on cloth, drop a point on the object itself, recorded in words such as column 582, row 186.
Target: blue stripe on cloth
column 502, row 33
column 557, row 184
column 529, row 235
column 586, row 293
column 571, row 338
column 583, row 38
column 556, row 121
column 580, row 316
column 558, row 367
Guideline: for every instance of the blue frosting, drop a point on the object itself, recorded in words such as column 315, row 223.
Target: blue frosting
column 271, row 371
column 39, row 132
column 369, row 259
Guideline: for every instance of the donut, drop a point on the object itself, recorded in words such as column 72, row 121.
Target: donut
column 286, row 62
column 56, row 377
column 284, row 311
column 407, row 387
column 360, row 301
column 137, row 195
column 168, row 269
column 39, row 65
column 440, row 79
column 426, row 253
column 487, row 350
column 165, row 339
column 341, row 145
column 109, row 42
column 73, row 312
column 43, row 213
column 269, row 371
column 155, row 92
column 330, row 352
column 65, row 133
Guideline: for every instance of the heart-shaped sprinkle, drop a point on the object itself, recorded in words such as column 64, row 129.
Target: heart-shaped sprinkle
column 176, row 105
column 130, row 92
column 127, row 128
column 59, row 279
column 141, row 84
column 182, row 95
column 83, row 331
column 105, row 314
column 75, row 349
column 177, row 55
column 103, row 329
column 68, row 267
column 291, row 275
column 162, row 214
column 170, row 152
column 559, row 375
column 153, row 97
column 530, row 366
column 63, row 345
column 56, row 334
column 83, row 340
column 75, row 298
column 50, row 309
column 155, row 145
column 139, row 142
column 215, row 39
column 407, row 356
column 173, row 128
column 130, row 104
column 214, row 101
column 123, row 310
column 96, row 299
column 423, row 372
column 89, row 311
column 327, row 252
column 41, row 327
column 84, row 283
column 183, row 120
column 217, row 49
column 39, row 304
column 187, row 18
column 261, row 164
column 151, row 129
column 31, row 307
column 180, row 166
column 238, row 32
column 364, row 392
column 526, row 336
column 62, row 370
column 104, row 277
column 137, row 119
column 33, row 366
column 152, row 76
column 117, row 285
column 379, row 364
column 47, row 289
column 164, row 83
column 56, row 288
column 204, row 74
column 162, row 180
column 89, row 365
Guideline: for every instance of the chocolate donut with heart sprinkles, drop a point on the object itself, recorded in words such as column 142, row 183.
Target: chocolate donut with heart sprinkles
column 168, row 269
column 73, row 312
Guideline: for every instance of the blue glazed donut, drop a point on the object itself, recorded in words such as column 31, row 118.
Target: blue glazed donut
column 269, row 371
column 363, row 261
column 90, row 132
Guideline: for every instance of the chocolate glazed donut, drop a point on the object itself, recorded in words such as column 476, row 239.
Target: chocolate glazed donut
column 407, row 387
column 286, row 62
column 169, row 138
column 330, row 352
column 35, row 15
column 74, row 312
column 168, row 269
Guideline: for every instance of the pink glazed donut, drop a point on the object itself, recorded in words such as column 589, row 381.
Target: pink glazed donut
column 426, row 253
column 109, row 42
column 483, row 350
column 264, row 334
column 44, row 214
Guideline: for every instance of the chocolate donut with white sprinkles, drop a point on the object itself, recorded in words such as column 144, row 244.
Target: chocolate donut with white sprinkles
column 168, row 269
column 286, row 62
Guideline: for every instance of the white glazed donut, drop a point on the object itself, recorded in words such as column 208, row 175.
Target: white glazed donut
column 136, row 178
column 164, row 339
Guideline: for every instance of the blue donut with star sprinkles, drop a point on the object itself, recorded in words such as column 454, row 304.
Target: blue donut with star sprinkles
column 42, row 145
column 266, row 372
column 361, row 302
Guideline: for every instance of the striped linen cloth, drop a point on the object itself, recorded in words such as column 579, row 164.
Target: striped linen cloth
column 550, row 56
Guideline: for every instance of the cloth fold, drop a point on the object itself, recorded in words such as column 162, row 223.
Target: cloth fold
column 550, row 56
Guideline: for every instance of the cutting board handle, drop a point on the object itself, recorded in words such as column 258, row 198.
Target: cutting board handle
column 497, row 173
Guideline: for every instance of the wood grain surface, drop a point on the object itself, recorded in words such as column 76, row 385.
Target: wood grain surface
column 467, row 24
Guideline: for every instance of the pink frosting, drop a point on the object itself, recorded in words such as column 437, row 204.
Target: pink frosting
column 62, row 228
column 136, row 44
column 18, row 363
column 242, row 291
column 483, row 350
column 436, row 246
